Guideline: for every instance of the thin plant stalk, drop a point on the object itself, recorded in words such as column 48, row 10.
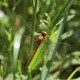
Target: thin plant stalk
column 32, row 35
column 33, row 26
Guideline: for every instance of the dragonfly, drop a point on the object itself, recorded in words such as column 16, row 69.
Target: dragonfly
column 38, row 41
column 41, row 37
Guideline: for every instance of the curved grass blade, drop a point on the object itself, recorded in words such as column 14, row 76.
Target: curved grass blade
column 17, row 41
column 73, row 73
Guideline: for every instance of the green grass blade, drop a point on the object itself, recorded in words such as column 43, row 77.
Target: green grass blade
column 36, row 58
column 17, row 41
column 51, row 54
column 73, row 73
column 57, row 17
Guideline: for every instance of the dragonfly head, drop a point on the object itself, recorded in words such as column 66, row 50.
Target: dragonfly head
column 44, row 33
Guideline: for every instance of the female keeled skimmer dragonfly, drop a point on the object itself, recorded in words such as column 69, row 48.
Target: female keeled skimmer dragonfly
column 39, row 39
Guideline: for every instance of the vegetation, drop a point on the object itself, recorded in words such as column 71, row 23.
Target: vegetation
column 58, row 55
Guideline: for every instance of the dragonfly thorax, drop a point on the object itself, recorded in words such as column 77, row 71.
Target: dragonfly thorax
column 39, row 39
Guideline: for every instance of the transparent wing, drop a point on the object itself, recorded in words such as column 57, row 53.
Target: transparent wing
column 62, row 48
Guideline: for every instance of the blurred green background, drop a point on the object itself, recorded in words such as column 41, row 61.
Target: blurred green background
column 17, row 16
